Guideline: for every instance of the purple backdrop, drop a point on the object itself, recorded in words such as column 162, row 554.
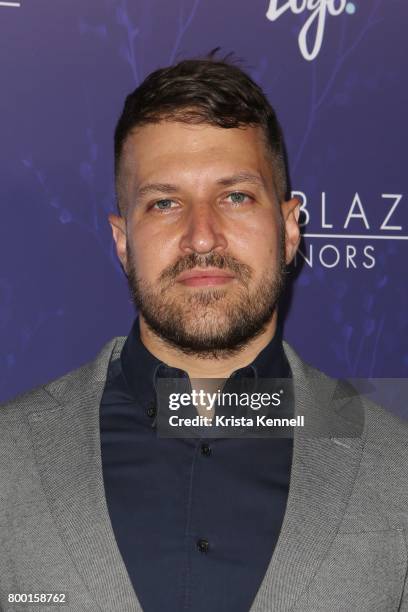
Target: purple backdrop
column 338, row 83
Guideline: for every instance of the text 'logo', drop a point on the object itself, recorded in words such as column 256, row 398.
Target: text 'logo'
column 309, row 43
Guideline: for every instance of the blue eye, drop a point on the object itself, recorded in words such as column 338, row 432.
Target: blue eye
column 163, row 204
column 238, row 197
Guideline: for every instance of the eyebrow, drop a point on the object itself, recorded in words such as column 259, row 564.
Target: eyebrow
column 227, row 181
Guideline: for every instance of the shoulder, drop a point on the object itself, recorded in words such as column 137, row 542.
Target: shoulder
column 384, row 434
column 58, row 390
column 16, row 416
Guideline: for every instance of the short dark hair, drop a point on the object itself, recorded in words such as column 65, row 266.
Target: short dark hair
column 205, row 90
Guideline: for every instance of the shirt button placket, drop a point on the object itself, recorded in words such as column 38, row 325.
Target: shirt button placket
column 203, row 545
column 206, row 449
column 151, row 410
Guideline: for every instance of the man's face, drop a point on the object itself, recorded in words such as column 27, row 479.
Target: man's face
column 203, row 243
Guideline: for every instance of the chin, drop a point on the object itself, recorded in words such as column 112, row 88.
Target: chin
column 205, row 320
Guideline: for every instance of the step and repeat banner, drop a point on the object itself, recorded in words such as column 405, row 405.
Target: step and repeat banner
column 335, row 72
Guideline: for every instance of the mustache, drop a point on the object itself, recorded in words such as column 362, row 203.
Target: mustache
column 210, row 260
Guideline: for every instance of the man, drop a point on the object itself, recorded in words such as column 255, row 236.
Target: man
column 98, row 508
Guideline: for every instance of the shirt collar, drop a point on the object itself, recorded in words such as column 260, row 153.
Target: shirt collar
column 140, row 367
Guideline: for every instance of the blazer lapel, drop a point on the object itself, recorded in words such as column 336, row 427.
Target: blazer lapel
column 324, row 469
column 66, row 439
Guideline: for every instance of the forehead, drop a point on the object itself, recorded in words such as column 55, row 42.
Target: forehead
column 178, row 150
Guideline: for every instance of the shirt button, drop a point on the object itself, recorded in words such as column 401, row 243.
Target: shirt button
column 203, row 545
column 151, row 410
column 205, row 449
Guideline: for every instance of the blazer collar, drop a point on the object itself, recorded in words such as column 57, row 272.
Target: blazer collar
column 66, row 440
column 326, row 458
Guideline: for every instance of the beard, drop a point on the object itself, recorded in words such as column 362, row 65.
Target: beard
column 209, row 322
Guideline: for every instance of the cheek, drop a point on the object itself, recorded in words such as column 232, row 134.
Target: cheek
column 257, row 243
column 151, row 254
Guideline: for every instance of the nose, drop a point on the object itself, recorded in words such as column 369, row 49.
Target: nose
column 203, row 231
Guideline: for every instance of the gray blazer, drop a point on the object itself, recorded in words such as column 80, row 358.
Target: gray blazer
column 343, row 543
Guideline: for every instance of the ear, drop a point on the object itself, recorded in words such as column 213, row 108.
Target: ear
column 290, row 215
column 118, row 226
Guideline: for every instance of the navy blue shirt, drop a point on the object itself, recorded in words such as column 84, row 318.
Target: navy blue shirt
column 196, row 520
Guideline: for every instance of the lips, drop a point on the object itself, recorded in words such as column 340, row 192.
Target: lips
column 209, row 276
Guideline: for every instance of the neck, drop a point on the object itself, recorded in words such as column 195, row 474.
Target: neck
column 199, row 367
